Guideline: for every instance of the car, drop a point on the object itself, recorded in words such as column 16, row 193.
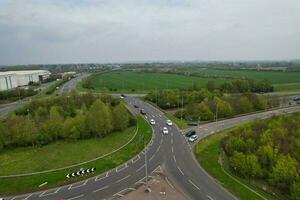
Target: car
column 152, row 122
column 193, row 138
column 142, row 111
column 296, row 98
column 136, row 106
column 190, row 133
column 169, row 122
column 165, row 131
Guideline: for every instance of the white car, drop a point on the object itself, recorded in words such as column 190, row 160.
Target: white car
column 193, row 138
column 152, row 122
column 169, row 122
column 165, row 131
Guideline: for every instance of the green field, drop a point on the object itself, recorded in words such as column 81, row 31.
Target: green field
column 281, row 80
column 65, row 153
column 207, row 152
column 129, row 81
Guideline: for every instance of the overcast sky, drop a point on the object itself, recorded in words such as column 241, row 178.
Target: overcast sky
column 85, row 31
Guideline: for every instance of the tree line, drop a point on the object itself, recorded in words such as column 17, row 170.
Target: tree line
column 69, row 117
column 193, row 105
column 267, row 150
column 16, row 94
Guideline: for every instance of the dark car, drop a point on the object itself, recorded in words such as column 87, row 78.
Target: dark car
column 190, row 133
column 142, row 111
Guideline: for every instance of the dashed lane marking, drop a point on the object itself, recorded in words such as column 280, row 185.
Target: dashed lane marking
column 180, row 170
column 78, row 185
column 172, row 149
column 209, row 197
column 48, row 194
column 152, row 157
column 118, row 181
column 121, row 168
column 169, row 183
column 140, row 168
column 77, row 197
column 28, row 197
column 98, row 178
column 157, row 149
column 135, row 159
column 100, row 189
column 194, row 184
column 174, row 158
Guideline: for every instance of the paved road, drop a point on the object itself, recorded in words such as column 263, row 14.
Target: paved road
column 71, row 85
column 5, row 109
column 172, row 153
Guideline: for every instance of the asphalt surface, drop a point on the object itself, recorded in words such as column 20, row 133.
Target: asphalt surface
column 71, row 84
column 170, row 153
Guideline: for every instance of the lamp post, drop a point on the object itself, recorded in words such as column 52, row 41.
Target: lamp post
column 147, row 189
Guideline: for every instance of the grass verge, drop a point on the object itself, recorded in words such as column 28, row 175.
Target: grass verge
column 181, row 124
column 31, row 183
column 207, row 152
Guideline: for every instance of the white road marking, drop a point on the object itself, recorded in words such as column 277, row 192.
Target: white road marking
column 209, row 197
column 157, row 149
column 100, row 189
column 135, row 159
column 180, row 170
column 172, row 141
column 172, row 149
column 169, row 183
column 122, row 179
column 47, row 194
column 28, row 197
column 152, row 157
column 140, row 168
column 98, row 178
column 77, row 197
column 194, row 184
column 174, row 158
column 121, row 168
column 78, row 186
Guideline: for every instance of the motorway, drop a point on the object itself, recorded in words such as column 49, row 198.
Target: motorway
column 170, row 154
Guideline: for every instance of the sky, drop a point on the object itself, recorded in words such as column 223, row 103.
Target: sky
column 98, row 31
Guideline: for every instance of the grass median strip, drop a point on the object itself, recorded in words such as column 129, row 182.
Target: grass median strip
column 207, row 152
column 31, row 183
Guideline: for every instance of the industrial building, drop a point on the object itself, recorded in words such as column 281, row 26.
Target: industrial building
column 12, row 79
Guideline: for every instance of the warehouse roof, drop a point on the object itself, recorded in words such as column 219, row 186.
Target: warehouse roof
column 24, row 72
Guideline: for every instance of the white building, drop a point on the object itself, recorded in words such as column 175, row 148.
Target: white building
column 13, row 79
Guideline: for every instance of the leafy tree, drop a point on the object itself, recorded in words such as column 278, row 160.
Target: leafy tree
column 224, row 109
column 284, row 173
column 295, row 191
column 245, row 165
column 211, row 85
column 120, row 117
column 245, row 105
column 267, row 156
column 99, row 119
column 55, row 122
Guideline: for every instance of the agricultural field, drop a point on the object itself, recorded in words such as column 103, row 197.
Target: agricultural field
column 129, row 81
column 282, row 81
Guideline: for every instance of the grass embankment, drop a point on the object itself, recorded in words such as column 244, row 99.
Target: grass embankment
column 180, row 123
column 140, row 82
column 66, row 153
column 207, row 152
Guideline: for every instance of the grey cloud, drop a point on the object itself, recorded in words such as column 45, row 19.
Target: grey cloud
column 53, row 31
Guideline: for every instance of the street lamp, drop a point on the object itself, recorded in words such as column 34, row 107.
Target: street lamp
column 147, row 189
